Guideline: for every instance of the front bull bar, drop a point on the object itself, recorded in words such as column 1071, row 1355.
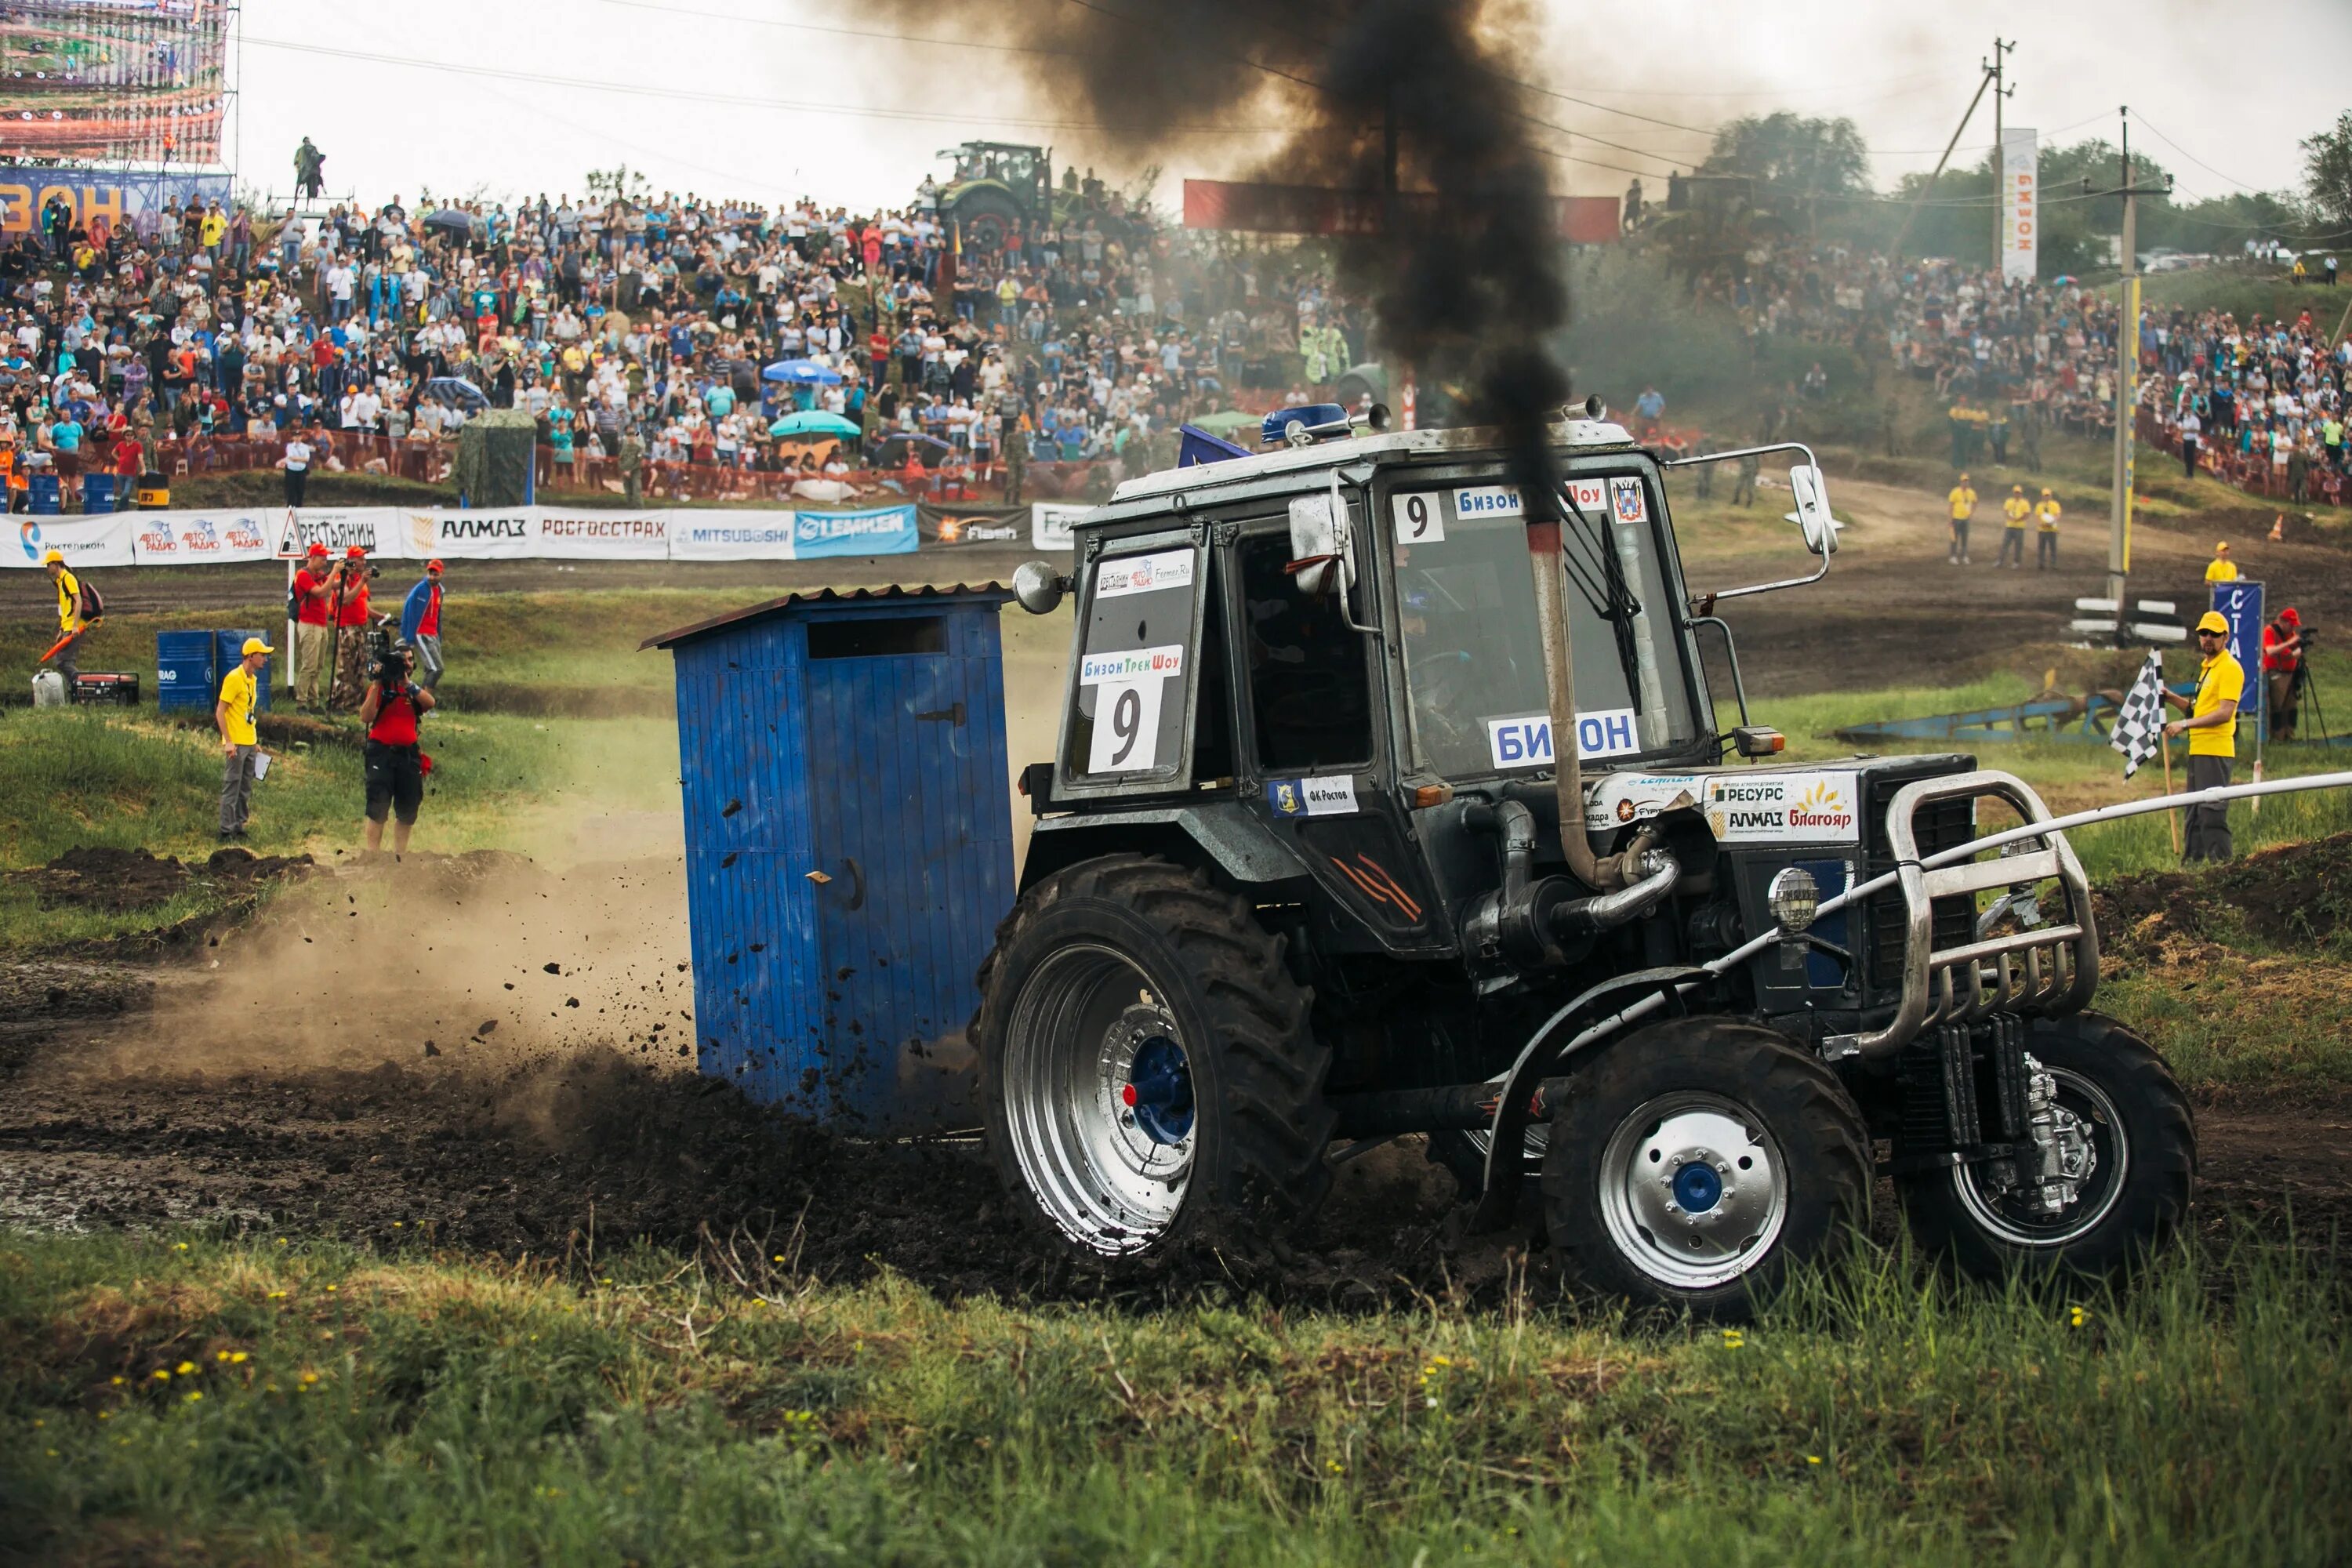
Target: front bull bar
column 2046, row 969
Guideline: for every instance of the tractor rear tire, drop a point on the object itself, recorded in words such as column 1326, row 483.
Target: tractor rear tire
column 1152, row 1083
column 1695, row 1163
column 2135, row 1198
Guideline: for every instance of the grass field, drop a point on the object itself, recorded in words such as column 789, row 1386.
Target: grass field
column 180, row 1398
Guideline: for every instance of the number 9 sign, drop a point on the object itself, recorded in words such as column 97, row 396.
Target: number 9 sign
column 1127, row 726
column 1418, row 519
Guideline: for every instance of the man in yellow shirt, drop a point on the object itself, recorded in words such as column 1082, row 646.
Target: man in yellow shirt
column 1964, row 506
column 74, row 620
column 2045, row 550
column 2221, row 569
column 2212, row 731
column 2013, row 513
column 240, row 692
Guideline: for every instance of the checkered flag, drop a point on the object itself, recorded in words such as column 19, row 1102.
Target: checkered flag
column 2139, row 726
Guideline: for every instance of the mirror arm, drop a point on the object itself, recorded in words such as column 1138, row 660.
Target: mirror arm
column 1810, row 461
column 1731, row 653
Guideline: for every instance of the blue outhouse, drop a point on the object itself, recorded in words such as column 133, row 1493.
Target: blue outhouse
column 848, row 847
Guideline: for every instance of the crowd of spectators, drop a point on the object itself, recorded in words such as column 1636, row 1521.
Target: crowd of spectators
column 2261, row 403
column 640, row 333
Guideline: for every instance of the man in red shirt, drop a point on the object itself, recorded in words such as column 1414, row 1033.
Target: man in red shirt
column 395, row 768
column 314, row 636
column 2282, row 665
column 350, row 629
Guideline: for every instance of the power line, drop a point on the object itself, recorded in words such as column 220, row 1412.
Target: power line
column 641, row 89
column 2193, row 158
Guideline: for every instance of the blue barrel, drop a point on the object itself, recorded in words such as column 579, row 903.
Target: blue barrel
column 97, row 494
column 228, row 648
column 41, row 495
column 185, row 676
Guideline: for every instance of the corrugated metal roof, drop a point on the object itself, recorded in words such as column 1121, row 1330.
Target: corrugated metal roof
column 894, row 593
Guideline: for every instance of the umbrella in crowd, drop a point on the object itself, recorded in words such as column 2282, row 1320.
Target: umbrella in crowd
column 453, row 219
column 802, row 370
column 457, row 392
column 815, row 422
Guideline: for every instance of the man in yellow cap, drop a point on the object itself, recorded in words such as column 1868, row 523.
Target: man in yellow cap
column 75, row 617
column 1963, row 501
column 2045, row 549
column 240, row 693
column 2221, row 569
column 2213, row 730
column 2013, row 513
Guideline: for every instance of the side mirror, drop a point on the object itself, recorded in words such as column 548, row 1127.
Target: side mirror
column 1038, row 589
column 1807, row 483
column 1318, row 545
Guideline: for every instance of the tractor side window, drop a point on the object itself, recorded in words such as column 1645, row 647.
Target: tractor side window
column 1135, row 669
column 1310, row 689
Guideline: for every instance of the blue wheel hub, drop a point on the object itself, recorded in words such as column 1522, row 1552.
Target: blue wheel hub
column 1159, row 1091
column 1698, row 1188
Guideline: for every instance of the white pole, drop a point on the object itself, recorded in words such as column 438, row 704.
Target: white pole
column 292, row 675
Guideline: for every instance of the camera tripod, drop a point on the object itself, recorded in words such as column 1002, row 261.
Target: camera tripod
column 2307, row 690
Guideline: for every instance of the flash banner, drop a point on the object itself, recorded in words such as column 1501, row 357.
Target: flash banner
column 2020, row 178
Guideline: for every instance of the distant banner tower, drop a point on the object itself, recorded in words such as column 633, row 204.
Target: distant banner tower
column 2020, row 180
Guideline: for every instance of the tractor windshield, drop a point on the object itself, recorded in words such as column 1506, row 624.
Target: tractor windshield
column 1474, row 654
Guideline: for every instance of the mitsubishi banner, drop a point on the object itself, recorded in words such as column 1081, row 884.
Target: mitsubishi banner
column 731, row 535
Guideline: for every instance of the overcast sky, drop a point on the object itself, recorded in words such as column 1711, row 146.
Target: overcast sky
column 772, row 109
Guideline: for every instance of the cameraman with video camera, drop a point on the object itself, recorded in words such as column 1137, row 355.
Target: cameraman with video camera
column 394, row 767
column 2284, row 642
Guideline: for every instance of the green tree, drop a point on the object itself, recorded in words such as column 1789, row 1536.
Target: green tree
column 1793, row 153
column 2327, row 169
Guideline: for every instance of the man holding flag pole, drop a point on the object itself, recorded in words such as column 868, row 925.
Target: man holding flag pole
column 2212, row 731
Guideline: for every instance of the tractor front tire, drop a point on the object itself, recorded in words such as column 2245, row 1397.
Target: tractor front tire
column 1152, row 1083
column 1694, row 1164
column 2144, row 1142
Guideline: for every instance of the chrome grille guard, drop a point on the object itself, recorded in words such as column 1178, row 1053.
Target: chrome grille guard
column 2051, row 968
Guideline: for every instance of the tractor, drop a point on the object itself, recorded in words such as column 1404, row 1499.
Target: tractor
column 995, row 185
column 1386, row 802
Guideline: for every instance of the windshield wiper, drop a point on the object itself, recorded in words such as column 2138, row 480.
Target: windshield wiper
column 1606, row 590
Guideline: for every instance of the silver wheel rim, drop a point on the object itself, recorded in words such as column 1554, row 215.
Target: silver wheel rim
column 1105, row 1169
column 2108, row 1143
column 1535, row 1140
column 1693, row 1190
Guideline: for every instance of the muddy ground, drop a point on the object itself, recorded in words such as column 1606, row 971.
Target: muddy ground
column 509, row 1075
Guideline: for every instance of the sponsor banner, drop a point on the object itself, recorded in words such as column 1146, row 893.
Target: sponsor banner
column 1619, row 799
column 1784, row 808
column 202, row 538
column 602, row 535
column 1143, row 573
column 490, row 535
column 879, row 531
column 948, row 525
column 1333, row 796
column 1132, row 664
column 731, row 535
column 1051, row 523
column 2240, row 604
column 1590, row 496
column 2020, row 220
column 94, row 542
column 379, row 530
column 111, row 197
column 1487, row 501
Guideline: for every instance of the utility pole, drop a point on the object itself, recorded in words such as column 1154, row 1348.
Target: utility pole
column 1996, row 68
column 2119, row 512
column 1894, row 251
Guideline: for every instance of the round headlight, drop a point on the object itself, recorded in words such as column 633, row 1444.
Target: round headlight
column 1794, row 897
column 1039, row 587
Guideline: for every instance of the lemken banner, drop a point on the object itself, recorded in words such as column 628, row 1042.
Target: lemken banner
column 882, row 531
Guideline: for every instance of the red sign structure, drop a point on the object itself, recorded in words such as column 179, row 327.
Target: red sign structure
column 1259, row 208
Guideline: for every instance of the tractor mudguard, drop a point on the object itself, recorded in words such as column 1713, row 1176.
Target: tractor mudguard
column 1541, row 1058
column 1246, row 849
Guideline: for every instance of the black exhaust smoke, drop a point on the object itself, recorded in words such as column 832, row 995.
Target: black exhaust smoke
column 1466, row 277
